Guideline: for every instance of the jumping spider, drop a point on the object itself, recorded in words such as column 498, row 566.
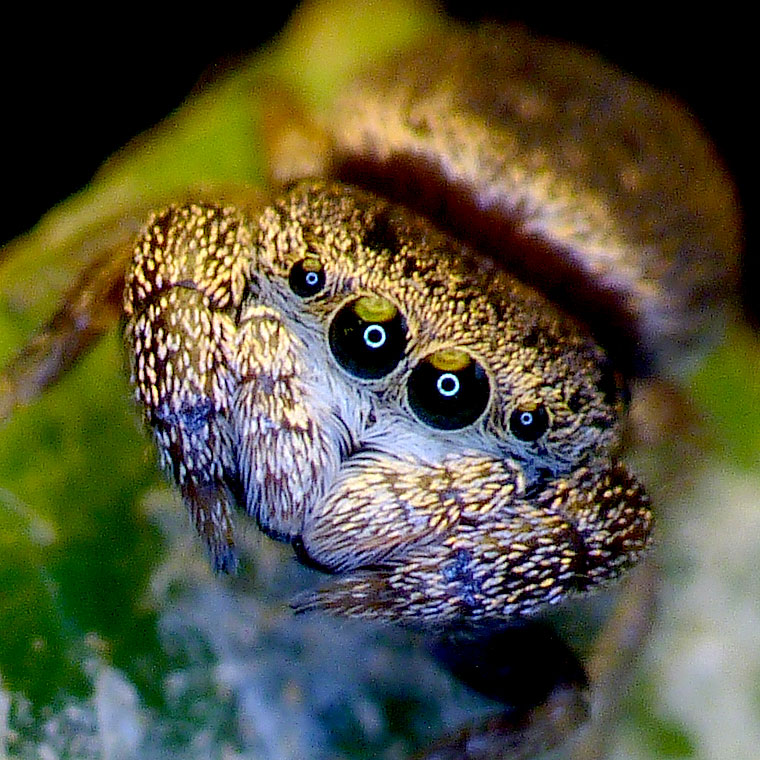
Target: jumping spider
column 414, row 368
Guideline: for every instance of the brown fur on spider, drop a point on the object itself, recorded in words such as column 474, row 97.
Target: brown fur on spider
column 421, row 384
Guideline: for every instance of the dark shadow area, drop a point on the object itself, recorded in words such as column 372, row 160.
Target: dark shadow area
column 77, row 89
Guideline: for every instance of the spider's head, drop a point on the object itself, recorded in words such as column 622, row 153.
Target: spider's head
column 430, row 410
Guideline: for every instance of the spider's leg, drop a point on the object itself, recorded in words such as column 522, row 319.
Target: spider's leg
column 614, row 658
column 88, row 310
column 465, row 544
column 98, row 242
column 182, row 295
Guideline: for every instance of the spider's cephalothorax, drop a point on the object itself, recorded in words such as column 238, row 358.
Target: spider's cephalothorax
column 426, row 399
column 407, row 416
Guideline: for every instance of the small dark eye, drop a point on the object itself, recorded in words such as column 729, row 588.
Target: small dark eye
column 307, row 277
column 448, row 390
column 612, row 385
column 368, row 337
column 529, row 424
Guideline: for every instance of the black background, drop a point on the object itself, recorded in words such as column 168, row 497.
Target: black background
column 75, row 89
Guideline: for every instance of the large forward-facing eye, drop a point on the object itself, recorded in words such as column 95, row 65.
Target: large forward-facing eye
column 448, row 389
column 307, row 277
column 368, row 337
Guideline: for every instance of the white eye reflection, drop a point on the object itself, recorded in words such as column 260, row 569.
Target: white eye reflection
column 374, row 336
column 312, row 279
column 526, row 418
column 448, row 384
